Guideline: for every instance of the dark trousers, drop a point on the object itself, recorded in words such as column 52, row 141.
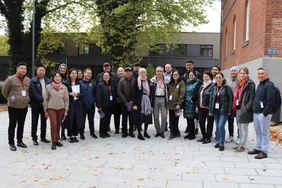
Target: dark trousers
column 126, row 115
column 231, row 125
column 203, row 117
column 117, row 113
column 16, row 116
column 90, row 112
column 173, row 123
column 105, row 121
column 191, row 126
column 35, row 112
column 73, row 131
column 56, row 117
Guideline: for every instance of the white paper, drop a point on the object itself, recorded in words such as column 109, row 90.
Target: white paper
column 261, row 104
column 23, row 93
column 76, row 89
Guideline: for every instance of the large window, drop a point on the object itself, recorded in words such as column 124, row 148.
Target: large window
column 226, row 42
column 234, row 34
column 181, row 50
column 206, row 50
column 247, row 20
column 83, row 49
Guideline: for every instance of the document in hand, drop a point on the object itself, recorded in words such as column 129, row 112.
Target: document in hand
column 76, row 89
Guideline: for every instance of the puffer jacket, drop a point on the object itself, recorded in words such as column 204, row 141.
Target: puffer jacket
column 191, row 94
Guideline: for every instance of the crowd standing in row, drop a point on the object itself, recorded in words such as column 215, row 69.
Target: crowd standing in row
column 204, row 98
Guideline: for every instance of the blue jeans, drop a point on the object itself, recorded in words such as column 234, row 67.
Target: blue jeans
column 220, row 120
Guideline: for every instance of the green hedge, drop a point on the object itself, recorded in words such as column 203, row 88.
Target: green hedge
column 2, row 98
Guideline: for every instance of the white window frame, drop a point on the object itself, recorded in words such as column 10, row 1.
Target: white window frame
column 234, row 34
column 248, row 20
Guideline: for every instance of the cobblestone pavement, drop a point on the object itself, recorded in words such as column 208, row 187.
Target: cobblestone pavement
column 127, row 162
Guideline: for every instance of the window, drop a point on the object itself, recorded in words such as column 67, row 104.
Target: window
column 206, row 50
column 226, row 43
column 181, row 50
column 234, row 34
column 83, row 49
column 247, row 20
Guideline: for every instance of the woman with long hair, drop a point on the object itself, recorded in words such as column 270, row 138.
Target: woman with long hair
column 176, row 93
column 56, row 105
column 220, row 107
column 203, row 108
column 74, row 122
column 142, row 103
column 244, row 95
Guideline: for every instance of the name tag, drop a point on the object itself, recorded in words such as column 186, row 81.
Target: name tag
column 170, row 97
column 237, row 102
column 217, row 105
column 177, row 86
column 261, row 104
column 111, row 97
column 23, row 93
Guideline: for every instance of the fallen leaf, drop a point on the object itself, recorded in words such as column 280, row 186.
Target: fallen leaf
column 187, row 172
column 264, row 170
column 196, row 168
column 14, row 174
column 225, row 179
column 140, row 179
column 252, row 179
column 23, row 181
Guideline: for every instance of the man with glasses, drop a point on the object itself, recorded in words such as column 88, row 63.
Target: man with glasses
column 159, row 100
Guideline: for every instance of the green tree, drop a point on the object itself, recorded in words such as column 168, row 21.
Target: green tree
column 128, row 26
column 4, row 46
column 54, row 15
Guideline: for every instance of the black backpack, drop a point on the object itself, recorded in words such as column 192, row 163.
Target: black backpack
column 277, row 99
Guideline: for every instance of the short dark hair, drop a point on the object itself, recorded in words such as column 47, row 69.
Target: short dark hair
column 57, row 72
column 217, row 67
column 209, row 74
column 87, row 68
column 190, row 61
column 160, row 67
column 261, row 68
column 21, row 64
column 79, row 70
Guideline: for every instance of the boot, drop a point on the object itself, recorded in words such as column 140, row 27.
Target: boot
column 145, row 132
column 140, row 137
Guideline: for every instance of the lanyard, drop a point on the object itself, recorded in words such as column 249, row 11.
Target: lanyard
column 21, row 81
column 218, row 92
column 110, row 89
column 172, row 88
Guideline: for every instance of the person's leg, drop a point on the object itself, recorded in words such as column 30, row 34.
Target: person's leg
column 21, row 121
column 216, row 120
column 265, row 132
column 156, row 115
column 60, row 114
column 81, row 131
column 43, row 124
column 221, row 128
column 172, row 127
column 124, row 119
column 257, row 127
column 210, row 120
column 13, row 119
column 34, row 122
column 53, row 124
column 131, row 122
column 90, row 115
column 244, row 133
column 202, row 121
column 240, row 133
column 163, row 115
column 191, row 127
column 230, row 129
column 117, row 113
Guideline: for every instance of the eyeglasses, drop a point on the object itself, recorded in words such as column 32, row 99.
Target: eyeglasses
column 175, row 74
column 159, row 71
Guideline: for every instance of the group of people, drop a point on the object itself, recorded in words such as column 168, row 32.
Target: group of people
column 204, row 98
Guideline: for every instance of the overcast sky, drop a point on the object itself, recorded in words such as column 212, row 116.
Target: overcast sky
column 212, row 26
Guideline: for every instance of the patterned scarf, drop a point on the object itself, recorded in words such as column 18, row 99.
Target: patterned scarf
column 146, row 84
column 238, row 93
column 57, row 86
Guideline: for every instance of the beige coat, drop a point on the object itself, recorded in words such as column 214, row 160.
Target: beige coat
column 13, row 91
column 56, row 100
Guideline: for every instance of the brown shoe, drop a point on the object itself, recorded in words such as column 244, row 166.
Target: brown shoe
column 240, row 149
column 262, row 155
column 253, row 152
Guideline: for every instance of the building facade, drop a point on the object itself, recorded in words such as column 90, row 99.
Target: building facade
column 251, row 36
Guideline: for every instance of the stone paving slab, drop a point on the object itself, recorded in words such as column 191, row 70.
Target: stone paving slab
column 116, row 162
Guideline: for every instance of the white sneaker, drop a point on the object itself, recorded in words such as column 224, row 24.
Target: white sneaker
column 229, row 140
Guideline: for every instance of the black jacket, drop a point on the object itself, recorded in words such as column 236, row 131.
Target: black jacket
column 125, row 90
column 36, row 98
column 103, row 95
column 114, row 78
column 206, row 95
column 265, row 93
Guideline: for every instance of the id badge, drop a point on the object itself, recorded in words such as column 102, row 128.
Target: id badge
column 217, row 105
column 111, row 97
column 170, row 97
column 177, row 86
column 261, row 104
column 23, row 93
column 237, row 102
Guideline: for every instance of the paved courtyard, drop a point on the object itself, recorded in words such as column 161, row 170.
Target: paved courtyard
column 122, row 163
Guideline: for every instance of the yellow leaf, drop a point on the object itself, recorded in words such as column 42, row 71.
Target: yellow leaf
column 196, row 168
column 225, row 179
column 140, row 179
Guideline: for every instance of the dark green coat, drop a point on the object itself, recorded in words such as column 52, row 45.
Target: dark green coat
column 191, row 94
column 226, row 100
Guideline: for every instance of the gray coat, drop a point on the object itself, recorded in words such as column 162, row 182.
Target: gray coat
column 245, row 113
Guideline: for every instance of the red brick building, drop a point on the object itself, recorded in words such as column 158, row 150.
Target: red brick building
column 252, row 36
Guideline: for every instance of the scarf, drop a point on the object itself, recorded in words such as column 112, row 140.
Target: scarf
column 57, row 86
column 237, row 99
column 146, row 84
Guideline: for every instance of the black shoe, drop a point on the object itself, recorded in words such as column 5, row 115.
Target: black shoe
column 45, row 140
column 103, row 136
column 186, row 130
column 22, row 145
column 117, row 132
column 216, row 145
column 201, row 140
column 71, row 140
column 171, row 137
column 131, row 135
column 107, row 135
column 35, row 142
column 93, row 135
column 192, row 138
column 254, row 151
column 262, row 155
column 13, row 147
column 75, row 139
column 162, row 135
column 82, row 137
column 53, row 147
column 146, row 135
column 140, row 137
column 63, row 136
column 196, row 131
column 207, row 141
column 124, row 135
column 189, row 137
column 221, row 148
column 59, row 144
column 157, row 135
